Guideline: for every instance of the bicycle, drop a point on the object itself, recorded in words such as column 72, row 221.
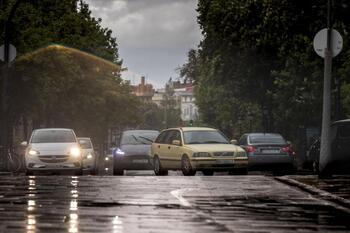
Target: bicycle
column 15, row 162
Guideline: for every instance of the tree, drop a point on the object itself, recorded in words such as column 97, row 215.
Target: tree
column 257, row 57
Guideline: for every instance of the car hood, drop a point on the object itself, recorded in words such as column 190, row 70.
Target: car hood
column 136, row 149
column 53, row 147
column 214, row 147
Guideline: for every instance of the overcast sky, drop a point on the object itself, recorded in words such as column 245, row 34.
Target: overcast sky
column 154, row 36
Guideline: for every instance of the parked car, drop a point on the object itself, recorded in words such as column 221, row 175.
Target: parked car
column 133, row 152
column 338, row 162
column 90, row 159
column 192, row 149
column 53, row 150
column 268, row 151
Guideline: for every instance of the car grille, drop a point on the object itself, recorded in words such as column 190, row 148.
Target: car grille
column 223, row 154
column 53, row 158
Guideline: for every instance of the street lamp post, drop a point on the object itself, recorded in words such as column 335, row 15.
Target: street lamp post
column 326, row 113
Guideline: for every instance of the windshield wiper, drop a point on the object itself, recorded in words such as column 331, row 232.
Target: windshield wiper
column 138, row 140
column 214, row 142
column 195, row 143
column 150, row 140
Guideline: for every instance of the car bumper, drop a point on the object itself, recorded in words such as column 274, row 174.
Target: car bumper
column 138, row 162
column 33, row 163
column 219, row 164
column 266, row 161
column 89, row 164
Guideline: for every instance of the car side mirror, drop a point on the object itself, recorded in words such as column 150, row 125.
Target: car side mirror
column 176, row 142
column 234, row 142
column 24, row 144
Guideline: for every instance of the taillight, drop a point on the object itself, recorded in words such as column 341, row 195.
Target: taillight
column 288, row 149
column 250, row 149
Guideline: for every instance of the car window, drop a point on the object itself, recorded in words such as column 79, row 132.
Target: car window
column 243, row 140
column 204, row 137
column 85, row 143
column 266, row 139
column 138, row 137
column 169, row 137
column 53, row 136
column 344, row 131
column 161, row 138
column 173, row 135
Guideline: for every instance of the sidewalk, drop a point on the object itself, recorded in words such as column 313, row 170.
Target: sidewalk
column 336, row 190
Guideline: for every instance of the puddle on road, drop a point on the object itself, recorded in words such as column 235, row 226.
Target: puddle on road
column 275, row 214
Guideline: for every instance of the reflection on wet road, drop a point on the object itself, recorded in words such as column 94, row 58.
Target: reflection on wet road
column 162, row 204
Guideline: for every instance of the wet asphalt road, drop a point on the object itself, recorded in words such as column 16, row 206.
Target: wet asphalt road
column 253, row 203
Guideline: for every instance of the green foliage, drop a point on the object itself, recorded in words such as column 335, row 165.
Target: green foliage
column 56, row 81
column 258, row 55
column 63, row 87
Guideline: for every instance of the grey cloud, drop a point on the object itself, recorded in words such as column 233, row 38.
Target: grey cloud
column 151, row 30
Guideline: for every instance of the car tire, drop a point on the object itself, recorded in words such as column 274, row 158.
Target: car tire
column 29, row 173
column 158, row 169
column 208, row 172
column 79, row 172
column 186, row 166
column 118, row 172
column 93, row 171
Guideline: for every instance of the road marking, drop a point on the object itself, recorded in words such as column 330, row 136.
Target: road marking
column 178, row 194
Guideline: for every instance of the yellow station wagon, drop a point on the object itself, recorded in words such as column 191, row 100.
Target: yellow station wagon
column 192, row 149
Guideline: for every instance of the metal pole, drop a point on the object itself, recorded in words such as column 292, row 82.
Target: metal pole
column 326, row 113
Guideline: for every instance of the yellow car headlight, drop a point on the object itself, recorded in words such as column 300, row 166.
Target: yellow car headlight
column 201, row 154
column 75, row 151
column 33, row 152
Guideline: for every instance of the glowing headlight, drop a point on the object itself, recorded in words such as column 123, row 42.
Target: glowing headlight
column 201, row 154
column 33, row 152
column 120, row 152
column 89, row 156
column 75, row 152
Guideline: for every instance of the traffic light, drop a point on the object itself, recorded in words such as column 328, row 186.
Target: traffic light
column 190, row 123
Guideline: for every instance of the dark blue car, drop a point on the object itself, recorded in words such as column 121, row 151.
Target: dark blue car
column 133, row 152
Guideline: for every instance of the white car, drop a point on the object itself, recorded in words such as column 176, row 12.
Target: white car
column 53, row 150
column 90, row 160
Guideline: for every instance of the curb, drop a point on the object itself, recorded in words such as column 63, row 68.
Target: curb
column 326, row 196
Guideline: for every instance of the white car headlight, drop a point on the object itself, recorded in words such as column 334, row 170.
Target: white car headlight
column 89, row 156
column 33, row 152
column 120, row 152
column 201, row 154
column 75, row 151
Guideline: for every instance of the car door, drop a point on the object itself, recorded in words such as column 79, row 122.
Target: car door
column 158, row 145
column 175, row 151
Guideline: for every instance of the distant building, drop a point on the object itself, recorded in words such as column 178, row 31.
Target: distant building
column 189, row 110
column 143, row 91
column 159, row 97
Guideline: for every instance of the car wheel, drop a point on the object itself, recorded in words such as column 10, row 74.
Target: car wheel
column 93, row 171
column 118, row 172
column 208, row 172
column 79, row 172
column 186, row 167
column 158, row 169
column 29, row 173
